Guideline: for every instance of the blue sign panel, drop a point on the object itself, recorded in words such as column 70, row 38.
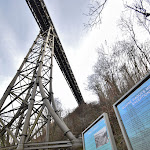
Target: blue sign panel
column 135, row 115
column 96, row 138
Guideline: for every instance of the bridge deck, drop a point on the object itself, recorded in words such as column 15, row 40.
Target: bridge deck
column 44, row 21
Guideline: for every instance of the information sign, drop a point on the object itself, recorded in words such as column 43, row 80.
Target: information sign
column 98, row 136
column 133, row 113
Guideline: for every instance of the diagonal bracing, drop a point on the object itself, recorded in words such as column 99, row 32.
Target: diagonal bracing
column 28, row 104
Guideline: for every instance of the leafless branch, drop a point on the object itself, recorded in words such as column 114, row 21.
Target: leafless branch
column 138, row 6
column 142, row 10
column 95, row 12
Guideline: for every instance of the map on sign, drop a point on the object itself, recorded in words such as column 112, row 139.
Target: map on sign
column 135, row 114
column 97, row 136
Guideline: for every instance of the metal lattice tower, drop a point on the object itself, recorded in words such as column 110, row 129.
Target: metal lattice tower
column 28, row 104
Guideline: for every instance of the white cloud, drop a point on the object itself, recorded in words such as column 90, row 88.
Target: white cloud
column 83, row 57
column 81, row 54
column 4, row 83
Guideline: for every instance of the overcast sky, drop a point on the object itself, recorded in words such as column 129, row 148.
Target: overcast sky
column 18, row 30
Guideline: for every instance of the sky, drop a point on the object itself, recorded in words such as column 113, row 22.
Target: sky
column 18, row 30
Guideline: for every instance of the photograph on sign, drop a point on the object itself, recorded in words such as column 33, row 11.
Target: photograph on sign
column 101, row 137
column 97, row 136
column 133, row 113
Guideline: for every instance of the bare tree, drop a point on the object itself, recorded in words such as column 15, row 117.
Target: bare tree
column 140, row 7
column 142, row 11
column 136, row 50
column 115, row 73
column 95, row 11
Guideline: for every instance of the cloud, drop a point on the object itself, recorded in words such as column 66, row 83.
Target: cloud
column 83, row 56
column 19, row 29
column 4, row 80
column 16, row 38
column 8, row 48
column 68, row 19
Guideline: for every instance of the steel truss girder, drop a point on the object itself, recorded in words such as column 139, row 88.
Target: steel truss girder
column 21, row 118
column 45, row 145
column 28, row 103
column 44, row 21
column 15, row 100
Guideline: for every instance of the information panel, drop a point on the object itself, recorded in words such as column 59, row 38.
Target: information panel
column 134, row 112
column 97, row 135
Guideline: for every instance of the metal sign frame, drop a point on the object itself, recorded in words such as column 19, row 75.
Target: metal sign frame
column 133, row 89
column 109, row 130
